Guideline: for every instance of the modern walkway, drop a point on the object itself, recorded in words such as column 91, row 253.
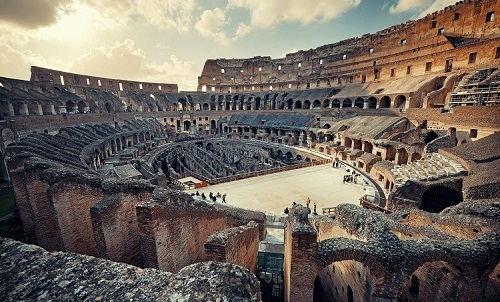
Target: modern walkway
column 274, row 192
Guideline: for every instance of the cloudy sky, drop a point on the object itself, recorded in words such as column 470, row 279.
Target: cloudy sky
column 169, row 40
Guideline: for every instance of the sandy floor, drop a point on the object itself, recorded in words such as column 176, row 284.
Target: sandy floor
column 272, row 193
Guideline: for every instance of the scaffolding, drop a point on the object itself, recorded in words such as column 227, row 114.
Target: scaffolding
column 479, row 88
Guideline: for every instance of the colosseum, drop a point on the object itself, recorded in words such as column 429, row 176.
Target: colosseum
column 103, row 171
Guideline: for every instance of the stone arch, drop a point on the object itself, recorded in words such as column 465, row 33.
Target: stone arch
column 298, row 105
column 206, row 107
column 400, row 102
column 402, row 156
column 359, row 102
column 331, row 283
column 468, row 270
column 109, row 107
column 347, row 142
column 316, row 104
column 372, row 102
column 20, row 108
column 385, row 102
column 326, row 103
column 187, row 125
column 347, row 103
column 326, row 126
column 82, row 107
column 289, row 104
column 436, row 199
column 257, row 103
column 336, row 103
column 213, row 126
column 415, row 156
column 306, row 104
column 6, row 109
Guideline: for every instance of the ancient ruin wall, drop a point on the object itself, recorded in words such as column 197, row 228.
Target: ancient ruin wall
column 239, row 245
column 439, row 42
column 167, row 229
column 115, row 224
column 39, row 74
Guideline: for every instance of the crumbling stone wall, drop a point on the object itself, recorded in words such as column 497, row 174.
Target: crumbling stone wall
column 173, row 229
column 238, row 245
column 391, row 262
column 31, row 273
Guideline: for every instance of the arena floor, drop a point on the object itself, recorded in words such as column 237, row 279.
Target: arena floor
column 274, row 192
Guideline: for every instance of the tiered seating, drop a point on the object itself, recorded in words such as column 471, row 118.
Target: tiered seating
column 431, row 167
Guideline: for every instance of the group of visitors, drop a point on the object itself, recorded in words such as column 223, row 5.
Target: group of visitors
column 308, row 203
column 213, row 197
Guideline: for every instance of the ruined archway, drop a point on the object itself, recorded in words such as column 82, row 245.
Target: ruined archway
column 306, row 105
column 316, row 104
column 385, row 102
column 430, row 137
column 438, row 198
column 347, row 280
column 372, row 102
column 359, row 102
column 438, row 280
column 298, row 105
column 347, row 103
column 187, row 125
column 336, row 103
column 400, row 102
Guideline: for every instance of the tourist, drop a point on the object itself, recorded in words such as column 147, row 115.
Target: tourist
column 224, row 198
column 197, row 193
column 308, row 201
column 287, row 210
column 314, row 212
column 211, row 195
column 203, row 196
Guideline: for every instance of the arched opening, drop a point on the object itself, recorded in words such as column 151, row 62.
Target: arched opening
column 82, row 107
column 347, row 280
column 326, row 103
column 257, row 103
column 336, row 103
column 402, row 157
column 430, row 137
column 438, row 198
column 326, row 126
column 400, row 102
column 70, row 107
column 347, row 142
column 316, row 104
column 385, row 102
column 187, row 125
column 298, row 105
column 359, row 102
column 213, row 127
column 109, row 108
column 415, row 156
column 306, row 105
column 372, row 102
column 206, row 106
column 347, row 103
column 436, row 281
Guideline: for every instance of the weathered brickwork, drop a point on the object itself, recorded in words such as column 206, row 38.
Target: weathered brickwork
column 237, row 245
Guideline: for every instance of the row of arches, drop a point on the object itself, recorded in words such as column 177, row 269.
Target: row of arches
column 230, row 102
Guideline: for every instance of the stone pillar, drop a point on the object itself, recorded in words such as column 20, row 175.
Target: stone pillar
column 452, row 132
column 300, row 267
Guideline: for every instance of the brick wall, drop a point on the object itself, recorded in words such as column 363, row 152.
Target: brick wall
column 239, row 245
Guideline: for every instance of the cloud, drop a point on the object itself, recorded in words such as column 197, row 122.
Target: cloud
column 268, row 13
column 124, row 61
column 166, row 14
column 210, row 23
column 242, row 30
column 424, row 7
column 32, row 14
column 16, row 64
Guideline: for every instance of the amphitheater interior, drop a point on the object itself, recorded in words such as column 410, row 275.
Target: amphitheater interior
column 96, row 166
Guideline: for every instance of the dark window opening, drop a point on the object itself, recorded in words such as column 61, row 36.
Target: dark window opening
column 403, row 42
column 428, row 66
column 490, row 16
column 408, row 69
column 497, row 55
column 393, row 72
column 456, row 17
column 441, row 31
column 473, row 133
column 433, row 24
column 472, row 58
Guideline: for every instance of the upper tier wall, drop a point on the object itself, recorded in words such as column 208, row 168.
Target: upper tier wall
column 458, row 37
column 39, row 74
